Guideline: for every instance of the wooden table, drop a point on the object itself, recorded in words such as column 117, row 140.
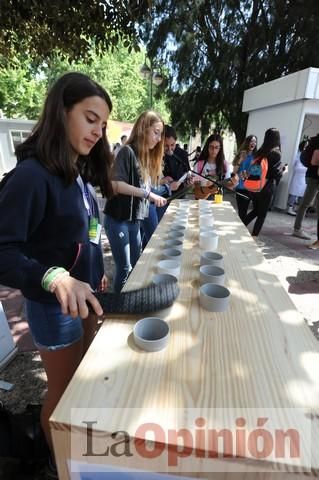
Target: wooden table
column 256, row 360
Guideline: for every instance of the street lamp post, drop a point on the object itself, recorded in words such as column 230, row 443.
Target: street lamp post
column 153, row 76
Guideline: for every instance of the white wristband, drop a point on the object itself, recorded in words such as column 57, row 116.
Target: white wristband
column 146, row 192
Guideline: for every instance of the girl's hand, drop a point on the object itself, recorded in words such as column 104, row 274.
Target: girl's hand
column 174, row 186
column 165, row 180
column 234, row 180
column 190, row 180
column 103, row 284
column 244, row 175
column 157, row 199
column 73, row 295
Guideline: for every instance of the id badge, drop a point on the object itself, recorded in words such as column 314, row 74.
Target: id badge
column 95, row 229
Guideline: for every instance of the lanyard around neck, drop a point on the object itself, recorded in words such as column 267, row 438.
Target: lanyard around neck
column 85, row 195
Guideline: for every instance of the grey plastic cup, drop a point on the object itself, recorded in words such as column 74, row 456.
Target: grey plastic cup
column 160, row 278
column 180, row 222
column 178, row 226
column 182, row 213
column 211, row 274
column 211, row 258
column 214, row 298
column 174, row 243
column 172, row 254
column 151, row 334
column 178, row 234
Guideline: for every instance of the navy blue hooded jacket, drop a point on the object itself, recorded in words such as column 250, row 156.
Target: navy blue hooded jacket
column 44, row 223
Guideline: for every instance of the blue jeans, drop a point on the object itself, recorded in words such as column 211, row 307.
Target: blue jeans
column 125, row 241
column 160, row 212
column 149, row 224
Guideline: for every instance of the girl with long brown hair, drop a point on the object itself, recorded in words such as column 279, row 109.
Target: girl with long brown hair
column 49, row 228
column 138, row 165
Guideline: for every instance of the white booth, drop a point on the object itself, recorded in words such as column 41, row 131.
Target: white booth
column 291, row 104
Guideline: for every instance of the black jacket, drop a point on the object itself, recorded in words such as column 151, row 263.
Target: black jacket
column 44, row 223
column 275, row 167
column 176, row 165
column 126, row 169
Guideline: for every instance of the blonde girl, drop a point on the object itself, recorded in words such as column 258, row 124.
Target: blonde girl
column 138, row 166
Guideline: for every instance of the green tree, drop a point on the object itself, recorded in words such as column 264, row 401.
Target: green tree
column 21, row 89
column 39, row 27
column 118, row 72
column 23, row 85
column 216, row 49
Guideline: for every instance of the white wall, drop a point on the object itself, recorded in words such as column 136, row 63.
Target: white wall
column 7, row 156
column 287, row 118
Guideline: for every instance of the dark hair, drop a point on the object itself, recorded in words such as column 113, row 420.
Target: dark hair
column 220, row 159
column 244, row 148
column 49, row 142
column 271, row 142
column 246, row 143
column 169, row 132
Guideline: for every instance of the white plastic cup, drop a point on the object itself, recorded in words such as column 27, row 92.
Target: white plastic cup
column 214, row 298
column 202, row 203
column 206, row 229
column 151, row 334
column 208, row 241
column 211, row 274
column 211, row 258
column 172, row 267
column 206, row 220
column 205, row 209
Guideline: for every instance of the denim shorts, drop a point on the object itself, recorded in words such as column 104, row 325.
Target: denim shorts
column 50, row 328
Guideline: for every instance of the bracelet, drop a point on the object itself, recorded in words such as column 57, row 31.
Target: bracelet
column 49, row 276
column 146, row 192
column 57, row 280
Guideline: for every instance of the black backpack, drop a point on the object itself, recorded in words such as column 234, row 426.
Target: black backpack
column 306, row 154
column 22, row 438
